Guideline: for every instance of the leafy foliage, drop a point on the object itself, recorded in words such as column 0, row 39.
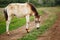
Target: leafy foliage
column 37, row 3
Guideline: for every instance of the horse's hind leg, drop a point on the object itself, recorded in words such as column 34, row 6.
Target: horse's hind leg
column 7, row 24
column 8, row 19
column 27, row 23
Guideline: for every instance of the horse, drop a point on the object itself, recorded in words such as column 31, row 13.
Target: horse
column 21, row 10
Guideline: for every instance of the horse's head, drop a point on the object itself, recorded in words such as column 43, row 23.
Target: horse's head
column 37, row 21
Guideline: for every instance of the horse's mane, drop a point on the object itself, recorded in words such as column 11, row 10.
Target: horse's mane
column 33, row 9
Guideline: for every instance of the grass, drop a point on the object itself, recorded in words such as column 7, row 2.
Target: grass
column 15, row 22
column 35, row 33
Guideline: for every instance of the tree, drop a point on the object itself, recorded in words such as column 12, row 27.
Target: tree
column 28, row 0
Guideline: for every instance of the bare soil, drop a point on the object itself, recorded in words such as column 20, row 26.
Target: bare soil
column 53, row 33
column 20, row 32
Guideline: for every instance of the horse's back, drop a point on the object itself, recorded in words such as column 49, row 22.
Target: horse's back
column 19, row 9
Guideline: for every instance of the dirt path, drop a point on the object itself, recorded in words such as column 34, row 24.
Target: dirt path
column 18, row 33
column 53, row 33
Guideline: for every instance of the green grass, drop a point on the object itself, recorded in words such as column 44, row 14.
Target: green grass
column 15, row 22
column 40, row 11
column 35, row 33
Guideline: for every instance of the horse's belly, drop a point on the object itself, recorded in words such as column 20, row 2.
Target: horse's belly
column 20, row 15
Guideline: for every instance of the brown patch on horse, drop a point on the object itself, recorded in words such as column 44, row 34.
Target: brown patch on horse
column 6, row 16
column 11, row 7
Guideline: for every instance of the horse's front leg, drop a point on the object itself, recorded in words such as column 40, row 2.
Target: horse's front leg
column 7, row 24
column 27, row 23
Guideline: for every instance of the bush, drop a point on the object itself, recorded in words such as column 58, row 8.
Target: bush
column 37, row 3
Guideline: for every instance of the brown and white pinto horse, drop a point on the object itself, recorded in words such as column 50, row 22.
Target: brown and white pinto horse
column 21, row 10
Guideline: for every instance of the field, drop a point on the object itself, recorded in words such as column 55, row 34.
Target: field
column 47, row 20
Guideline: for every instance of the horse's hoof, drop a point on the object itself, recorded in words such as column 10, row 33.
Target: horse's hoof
column 27, row 30
column 8, row 34
column 38, row 28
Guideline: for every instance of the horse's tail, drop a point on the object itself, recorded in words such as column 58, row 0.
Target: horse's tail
column 33, row 9
column 6, row 15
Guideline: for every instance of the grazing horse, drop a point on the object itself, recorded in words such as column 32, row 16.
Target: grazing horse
column 21, row 10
